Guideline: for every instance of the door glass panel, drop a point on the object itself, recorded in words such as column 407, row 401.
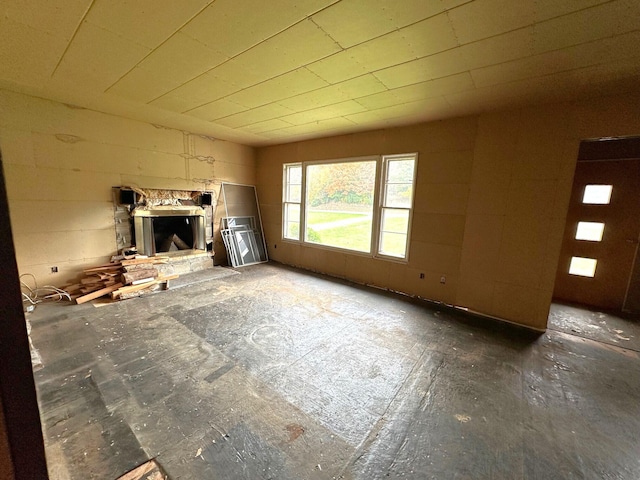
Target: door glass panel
column 584, row 267
column 591, row 231
column 597, row 194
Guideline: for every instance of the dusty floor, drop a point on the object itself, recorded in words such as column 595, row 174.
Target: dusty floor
column 279, row 374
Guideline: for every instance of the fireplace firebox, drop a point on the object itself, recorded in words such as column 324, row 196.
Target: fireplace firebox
column 167, row 229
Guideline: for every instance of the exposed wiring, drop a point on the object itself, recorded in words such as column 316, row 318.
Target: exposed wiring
column 35, row 295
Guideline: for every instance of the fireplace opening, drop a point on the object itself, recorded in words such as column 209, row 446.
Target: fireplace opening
column 174, row 233
column 169, row 229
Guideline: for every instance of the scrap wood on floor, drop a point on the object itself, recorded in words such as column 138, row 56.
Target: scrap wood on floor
column 147, row 471
column 120, row 279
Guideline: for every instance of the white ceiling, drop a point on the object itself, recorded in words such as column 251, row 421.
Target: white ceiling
column 265, row 72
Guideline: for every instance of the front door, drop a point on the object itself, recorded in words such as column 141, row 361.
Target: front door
column 601, row 236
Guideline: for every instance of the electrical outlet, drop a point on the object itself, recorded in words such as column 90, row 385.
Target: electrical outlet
column 422, row 275
column 54, row 269
column 443, row 279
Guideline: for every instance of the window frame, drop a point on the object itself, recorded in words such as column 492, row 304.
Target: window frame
column 385, row 160
column 285, row 201
column 382, row 162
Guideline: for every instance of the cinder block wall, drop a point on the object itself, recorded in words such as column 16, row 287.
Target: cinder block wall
column 491, row 199
column 61, row 162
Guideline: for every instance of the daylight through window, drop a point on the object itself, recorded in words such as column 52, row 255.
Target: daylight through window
column 362, row 204
column 292, row 197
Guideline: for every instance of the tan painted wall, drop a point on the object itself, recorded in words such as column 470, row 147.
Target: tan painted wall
column 491, row 200
column 60, row 165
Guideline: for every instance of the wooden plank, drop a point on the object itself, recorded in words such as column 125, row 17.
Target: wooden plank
column 142, row 286
column 163, row 278
column 147, row 471
column 89, row 280
column 98, row 294
column 135, row 275
column 92, row 288
column 137, row 261
column 154, row 287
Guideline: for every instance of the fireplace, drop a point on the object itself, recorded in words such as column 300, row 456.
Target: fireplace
column 168, row 229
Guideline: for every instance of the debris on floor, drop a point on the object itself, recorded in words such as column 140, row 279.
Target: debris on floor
column 147, row 471
column 120, row 279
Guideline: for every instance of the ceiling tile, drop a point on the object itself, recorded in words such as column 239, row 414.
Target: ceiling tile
column 486, row 18
column 346, row 23
column 144, row 85
column 366, row 118
column 238, row 73
column 297, row 46
column 498, row 49
column 177, row 61
column 579, row 56
column 233, row 27
column 185, row 53
column 267, row 126
column 218, row 109
column 82, row 64
column 310, row 128
column 356, row 87
column 284, row 86
column 419, row 40
column 324, row 113
column 148, row 22
column 419, row 91
column 423, row 38
column 195, row 93
column 602, row 21
column 28, row 55
column 338, row 67
column 59, row 18
column 420, row 110
column 479, row 54
column 255, row 115
column 546, row 9
column 439, row 65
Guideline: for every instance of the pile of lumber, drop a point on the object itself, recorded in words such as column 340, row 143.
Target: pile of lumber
column 121, row 278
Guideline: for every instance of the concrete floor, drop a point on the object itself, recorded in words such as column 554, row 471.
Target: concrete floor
column 275, row 373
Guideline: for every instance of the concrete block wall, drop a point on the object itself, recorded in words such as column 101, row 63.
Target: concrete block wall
column 491, row 199
column 61, row 162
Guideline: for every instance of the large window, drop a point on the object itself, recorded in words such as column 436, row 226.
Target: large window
column 363, row 205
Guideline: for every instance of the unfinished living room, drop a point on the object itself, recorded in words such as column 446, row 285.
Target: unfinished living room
column 328, row 239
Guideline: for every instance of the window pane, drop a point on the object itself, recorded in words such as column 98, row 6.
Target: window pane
column 294, row 193
column 293, row 231
column 292, row 221
column 585, row 267
column 292, row 212
column 590, row 231
column 597, row 194
column 294, row 174
column 340, row 204
column 400, row 171
column 398, row 195
column 396, row 221
column 393, row 244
